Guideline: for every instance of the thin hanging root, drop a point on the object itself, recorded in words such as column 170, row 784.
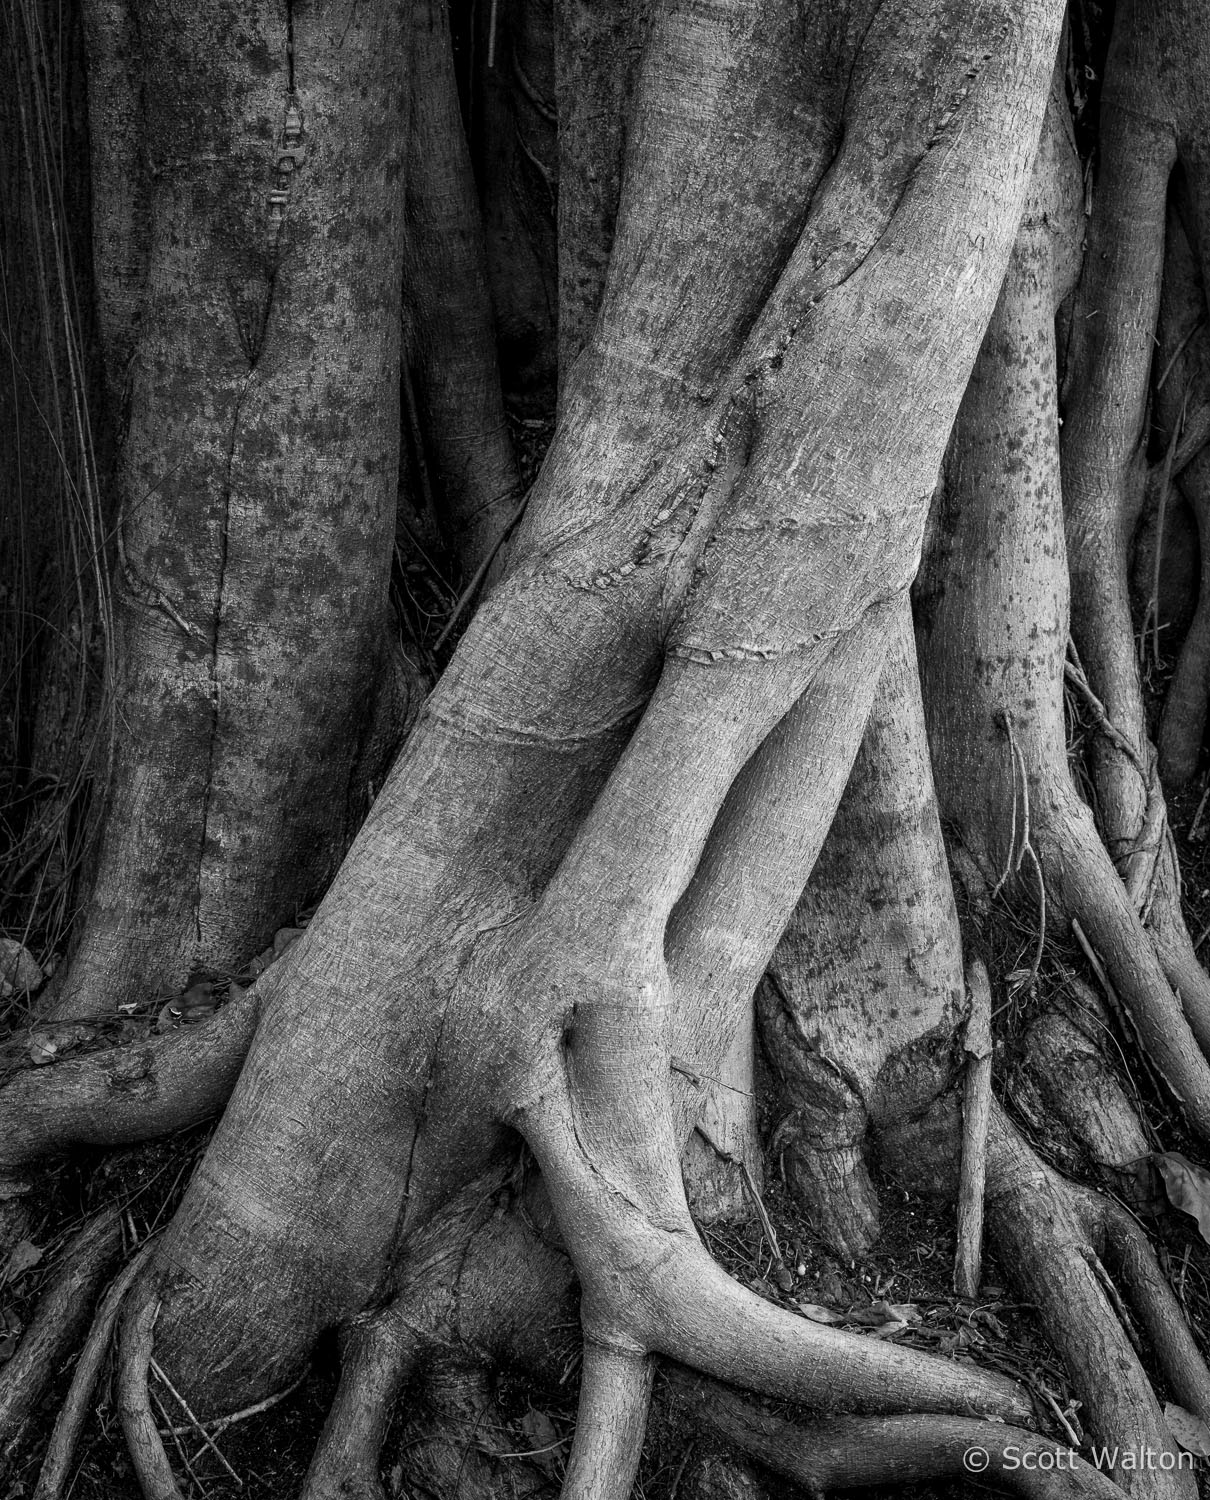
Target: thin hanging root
column 1013, row 866
column 848, row 1452
column 1017, row 768
column 75, row 1409
column 615, row 1393
column 1021, row 775
column 1073, row 672
column 155, row 1476
column 60, row 1319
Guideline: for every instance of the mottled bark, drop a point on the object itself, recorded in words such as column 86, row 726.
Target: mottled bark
column 254, row 549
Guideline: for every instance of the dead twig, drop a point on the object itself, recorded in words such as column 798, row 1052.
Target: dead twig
column 976, row 1115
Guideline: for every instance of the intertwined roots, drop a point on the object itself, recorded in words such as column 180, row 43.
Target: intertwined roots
column 553, row 920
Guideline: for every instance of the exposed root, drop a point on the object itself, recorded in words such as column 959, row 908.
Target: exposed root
column 1078, row 1088
column 60, row 1319
column 1129, row 1255
column 156, row 1479
column 379, row 1355
column 130, row 1093
column 715, row 1325
column 999, row 560
column 615, row 1391
column 1042, row 1231
column 76, row 1407
column 480, row 1283
column 844, row 1453
column 656, row 1287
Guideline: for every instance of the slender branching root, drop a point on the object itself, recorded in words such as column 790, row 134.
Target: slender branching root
column 61, row 1317
column 1061, row 1243
column 998, row 745
column 56, row 1466
column 136, row 1336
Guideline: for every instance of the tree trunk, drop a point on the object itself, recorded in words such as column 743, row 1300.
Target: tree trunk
column 809, row 259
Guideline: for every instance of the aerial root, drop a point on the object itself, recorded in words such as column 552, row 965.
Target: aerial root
column 75, row 1409
column 1041, row 1229
column 841, row 1453
column 135, row 1343
column 380, row 1353
column 615, row 1394
column 60, row 1320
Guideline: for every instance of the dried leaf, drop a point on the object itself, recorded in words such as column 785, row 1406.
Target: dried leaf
column 880, row 1313
column 1189, row 1430
column 25, row 1255
column 1187, row 1186
column 543, row 1442
column 19, row 969
column 818, row 1314
column 284, row 938
column 42, row 1048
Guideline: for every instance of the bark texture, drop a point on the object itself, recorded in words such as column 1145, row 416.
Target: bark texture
column 254, row 552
